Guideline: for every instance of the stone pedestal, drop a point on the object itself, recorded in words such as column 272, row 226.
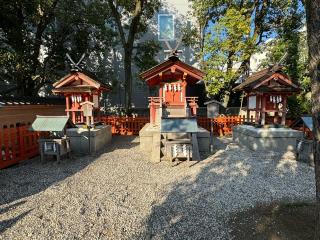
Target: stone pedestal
column 150, row 140
column 267, row 139
column 99, row 137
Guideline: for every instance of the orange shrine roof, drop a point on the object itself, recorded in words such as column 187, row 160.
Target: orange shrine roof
column 271, row 79
column 77, row 82
column 171, row 69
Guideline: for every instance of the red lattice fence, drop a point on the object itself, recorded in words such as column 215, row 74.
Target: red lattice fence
column 125, row 125
column 17, row 143
column 132, row 125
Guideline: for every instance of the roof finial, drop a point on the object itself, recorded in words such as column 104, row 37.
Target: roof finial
column 173, row 52
column 75, row 67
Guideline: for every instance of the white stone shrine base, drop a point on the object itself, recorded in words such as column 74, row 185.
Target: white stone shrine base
column 150, row 139
column 266, row 139
column 100, row 137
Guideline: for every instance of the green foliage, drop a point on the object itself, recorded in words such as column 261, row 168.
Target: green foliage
column 291, row 40
column 36, row 35
column 229, row 32
column 145, row 52
column 226, row 43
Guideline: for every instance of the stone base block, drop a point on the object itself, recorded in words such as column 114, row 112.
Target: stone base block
column 269, row 139
column 99, row 137
column 150, row 133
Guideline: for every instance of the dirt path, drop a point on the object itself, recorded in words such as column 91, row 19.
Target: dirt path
column 120, row 195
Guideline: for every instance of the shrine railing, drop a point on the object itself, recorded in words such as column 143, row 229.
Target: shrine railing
column 222, row 125
column 132, row 125
column 17, row 143
column 125, row 125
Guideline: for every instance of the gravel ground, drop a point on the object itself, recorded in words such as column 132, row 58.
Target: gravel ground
column 118, row 194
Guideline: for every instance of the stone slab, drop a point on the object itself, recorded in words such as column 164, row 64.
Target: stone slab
column 150, row 132
column 79, row 139
column 270, row 139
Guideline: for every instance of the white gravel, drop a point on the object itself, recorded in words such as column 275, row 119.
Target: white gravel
column 120, row 195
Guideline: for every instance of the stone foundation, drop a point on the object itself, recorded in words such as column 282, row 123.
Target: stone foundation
column 100, row 136
column 150, row 138
column 268, row 139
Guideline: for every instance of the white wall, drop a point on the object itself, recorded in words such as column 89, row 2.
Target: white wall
column 141, row 92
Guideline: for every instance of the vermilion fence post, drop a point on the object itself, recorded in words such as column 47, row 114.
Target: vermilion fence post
column 13, row 143
column 1, row 147
column 20, row 128
column 6, row 142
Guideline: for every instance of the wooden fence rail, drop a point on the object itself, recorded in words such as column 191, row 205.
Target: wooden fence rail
column 132, row 125
column 17, row 143
column 125, row 125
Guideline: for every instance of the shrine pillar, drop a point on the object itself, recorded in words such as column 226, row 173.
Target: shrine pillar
column 263, row 117
column 248, row 111
column 257, row 108
column 284, row 111
column 68, row 105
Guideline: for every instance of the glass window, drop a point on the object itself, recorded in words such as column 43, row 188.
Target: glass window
column 165, row 27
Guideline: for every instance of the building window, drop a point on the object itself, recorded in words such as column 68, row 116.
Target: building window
column 165, row 27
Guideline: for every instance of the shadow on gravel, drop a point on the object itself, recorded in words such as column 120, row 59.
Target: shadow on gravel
column 198, row 206
column 32, row 176
column 4, row 225
column 279, row 221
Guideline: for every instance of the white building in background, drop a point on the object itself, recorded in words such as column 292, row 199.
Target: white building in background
column 179, row 9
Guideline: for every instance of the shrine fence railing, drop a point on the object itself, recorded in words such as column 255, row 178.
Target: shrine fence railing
column 17, row 143
column 132, row 125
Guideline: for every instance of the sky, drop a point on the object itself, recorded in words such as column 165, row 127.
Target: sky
column 181, row 5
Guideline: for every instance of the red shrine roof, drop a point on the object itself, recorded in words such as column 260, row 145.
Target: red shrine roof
column 271, row 79
column 76, row 82
column 170, row 69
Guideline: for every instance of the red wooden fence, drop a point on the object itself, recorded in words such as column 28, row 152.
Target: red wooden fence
column 132, row 125
column 17, row 143
column 125, row 125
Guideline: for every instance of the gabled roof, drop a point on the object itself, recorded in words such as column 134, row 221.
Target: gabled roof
column 271, row 79
column 169, row 69
column 64, row 84
column 51, row 123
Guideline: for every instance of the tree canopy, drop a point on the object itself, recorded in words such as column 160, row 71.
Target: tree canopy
column 230, row 32
column 35, row 37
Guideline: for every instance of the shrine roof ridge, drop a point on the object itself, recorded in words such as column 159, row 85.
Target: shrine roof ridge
column 84, row 76
column 256, row 79
column 173, row 60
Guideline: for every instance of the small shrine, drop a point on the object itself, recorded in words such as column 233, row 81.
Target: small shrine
column 267, row 92
column 173, row 131
column 79, row 88
column 172, row 78
column 82, row 95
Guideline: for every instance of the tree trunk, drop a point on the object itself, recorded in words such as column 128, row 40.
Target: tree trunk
column 128, row 45
column 313, row 30
column 226, row 99
column 128, row 78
